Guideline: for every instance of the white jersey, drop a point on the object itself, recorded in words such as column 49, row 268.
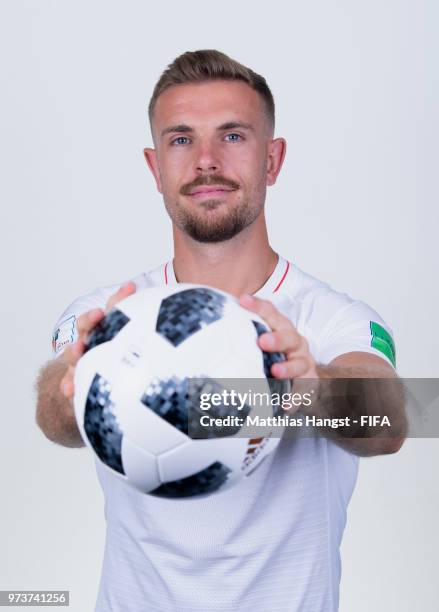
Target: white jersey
column 270, row 543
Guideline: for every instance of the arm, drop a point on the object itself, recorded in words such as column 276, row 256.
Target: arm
column 381, row 396
column 354, row 367
column 55, row 414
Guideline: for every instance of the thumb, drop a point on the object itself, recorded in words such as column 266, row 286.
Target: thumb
column 123, row 292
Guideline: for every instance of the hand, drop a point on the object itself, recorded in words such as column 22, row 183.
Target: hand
column 85, row 324
column 284, row 338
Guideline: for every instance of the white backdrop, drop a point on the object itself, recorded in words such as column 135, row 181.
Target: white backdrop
column 355, row 85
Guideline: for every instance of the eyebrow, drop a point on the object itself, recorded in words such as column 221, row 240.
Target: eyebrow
column 229, row 125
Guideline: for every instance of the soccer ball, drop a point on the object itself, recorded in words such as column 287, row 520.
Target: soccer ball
column 139, row 383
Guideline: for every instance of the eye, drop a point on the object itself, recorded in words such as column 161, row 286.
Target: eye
column 179, row 139
column 235, row 137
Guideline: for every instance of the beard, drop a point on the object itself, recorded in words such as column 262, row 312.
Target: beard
column 206, row 223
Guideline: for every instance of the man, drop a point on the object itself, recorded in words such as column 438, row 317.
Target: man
column 271, row 543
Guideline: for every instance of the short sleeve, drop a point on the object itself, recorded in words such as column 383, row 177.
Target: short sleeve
column 65, row 330
column 355, row 326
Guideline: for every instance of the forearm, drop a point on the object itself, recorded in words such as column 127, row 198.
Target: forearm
column 55, row 414
column 358, row 394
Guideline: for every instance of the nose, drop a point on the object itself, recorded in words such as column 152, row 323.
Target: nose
column 207, row 159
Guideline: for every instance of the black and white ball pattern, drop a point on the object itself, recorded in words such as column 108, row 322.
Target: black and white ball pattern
column 180, row 337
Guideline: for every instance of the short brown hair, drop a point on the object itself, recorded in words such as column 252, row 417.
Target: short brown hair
column 210, row 64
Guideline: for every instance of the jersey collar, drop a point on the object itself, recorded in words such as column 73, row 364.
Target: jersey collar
column 272, row 284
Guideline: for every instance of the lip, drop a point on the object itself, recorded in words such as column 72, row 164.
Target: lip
column 210, row 191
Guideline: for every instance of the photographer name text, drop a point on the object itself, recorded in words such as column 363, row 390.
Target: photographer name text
column 289, row 421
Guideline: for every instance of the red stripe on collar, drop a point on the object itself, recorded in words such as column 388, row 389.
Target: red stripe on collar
column 283, row 277
column 166, row 273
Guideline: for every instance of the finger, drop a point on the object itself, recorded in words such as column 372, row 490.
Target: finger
column 88, row 320
column 291, row 368
column 283, row 341
column 123, row 292
column 266, row 310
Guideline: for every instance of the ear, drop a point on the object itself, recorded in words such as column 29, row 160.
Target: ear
column 151, row 160
column 276, row 155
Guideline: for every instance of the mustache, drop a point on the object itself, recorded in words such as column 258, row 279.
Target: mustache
column 207, row 181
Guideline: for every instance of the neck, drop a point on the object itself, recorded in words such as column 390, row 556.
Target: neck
column 240, row 265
